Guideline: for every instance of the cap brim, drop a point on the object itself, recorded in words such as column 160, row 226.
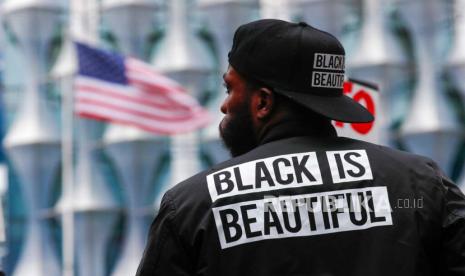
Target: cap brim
column 340, row 108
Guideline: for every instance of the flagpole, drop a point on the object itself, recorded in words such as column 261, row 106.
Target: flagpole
column 68, row 175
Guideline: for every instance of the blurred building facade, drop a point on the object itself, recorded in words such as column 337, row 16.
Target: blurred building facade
column 81, row 194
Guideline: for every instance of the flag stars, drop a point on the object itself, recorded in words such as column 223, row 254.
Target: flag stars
column 101, row 64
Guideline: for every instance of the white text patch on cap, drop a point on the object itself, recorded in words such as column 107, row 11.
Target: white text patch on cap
column 329, row 62
column 327, row 79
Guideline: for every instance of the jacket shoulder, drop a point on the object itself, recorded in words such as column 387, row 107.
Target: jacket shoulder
column 191, row 190
column 399, row 157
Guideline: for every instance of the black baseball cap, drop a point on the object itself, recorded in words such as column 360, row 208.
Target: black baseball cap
column 298, row 61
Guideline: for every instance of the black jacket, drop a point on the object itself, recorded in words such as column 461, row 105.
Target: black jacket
column 311, row 205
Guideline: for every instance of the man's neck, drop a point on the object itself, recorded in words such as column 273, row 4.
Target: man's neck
column 292, row 128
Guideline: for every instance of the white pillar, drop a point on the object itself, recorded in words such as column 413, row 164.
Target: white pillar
column 136, row 153
column 185, row 58
column 379, row 58
column 431, row 127
column 32, row 141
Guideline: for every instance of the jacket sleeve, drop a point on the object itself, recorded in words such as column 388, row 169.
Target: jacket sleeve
column 453, row 230
column 164, row 253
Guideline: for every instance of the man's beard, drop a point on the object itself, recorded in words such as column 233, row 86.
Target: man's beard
column 238, row 134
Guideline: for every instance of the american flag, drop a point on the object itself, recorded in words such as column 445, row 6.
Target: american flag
column 125, row 90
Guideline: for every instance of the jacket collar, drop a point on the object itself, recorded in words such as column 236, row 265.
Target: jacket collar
column 294, row 128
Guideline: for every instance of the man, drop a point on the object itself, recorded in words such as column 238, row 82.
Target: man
column 296, row 199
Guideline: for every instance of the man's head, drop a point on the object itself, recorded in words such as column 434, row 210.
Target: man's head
column 246, row 107
column 252, row 108
column 276, row 69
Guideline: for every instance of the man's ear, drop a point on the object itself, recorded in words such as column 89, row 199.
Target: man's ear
column 264, row 104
